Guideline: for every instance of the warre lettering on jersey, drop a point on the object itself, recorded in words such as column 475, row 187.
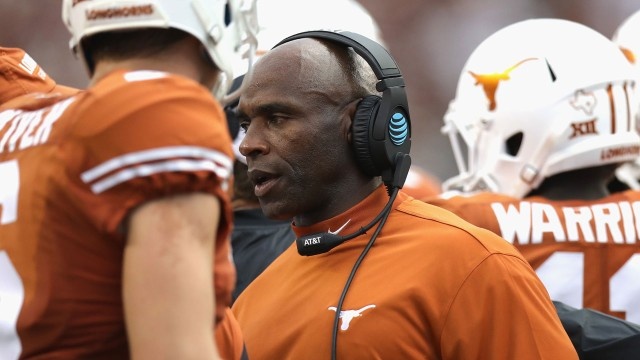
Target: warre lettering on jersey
column 28, row 128
column 528, row 222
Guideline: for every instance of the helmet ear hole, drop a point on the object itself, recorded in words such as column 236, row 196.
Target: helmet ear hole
column 513, row 143
column 227, row 14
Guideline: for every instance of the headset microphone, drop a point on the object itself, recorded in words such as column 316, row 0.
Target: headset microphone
column 319, row 243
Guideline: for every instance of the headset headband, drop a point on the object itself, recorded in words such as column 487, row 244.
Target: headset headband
column 383, row 65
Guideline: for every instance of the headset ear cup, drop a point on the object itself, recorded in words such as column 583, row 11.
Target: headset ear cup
column 366, row 113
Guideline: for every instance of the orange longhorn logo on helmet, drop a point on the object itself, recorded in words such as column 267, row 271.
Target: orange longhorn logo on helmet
column 629, row 55
column 491, row 81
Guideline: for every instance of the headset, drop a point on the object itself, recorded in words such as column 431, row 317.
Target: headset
column 381, row 127
column 381, row 141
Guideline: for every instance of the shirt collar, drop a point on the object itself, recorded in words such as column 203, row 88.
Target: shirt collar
column 353, row 219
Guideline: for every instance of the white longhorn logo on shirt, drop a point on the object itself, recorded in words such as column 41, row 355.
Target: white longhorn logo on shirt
column 348, row 315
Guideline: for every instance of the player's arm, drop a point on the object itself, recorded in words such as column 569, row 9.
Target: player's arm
column 503, row 312
column 168, row 279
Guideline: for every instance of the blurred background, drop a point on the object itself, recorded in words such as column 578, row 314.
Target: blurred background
column 430, row 40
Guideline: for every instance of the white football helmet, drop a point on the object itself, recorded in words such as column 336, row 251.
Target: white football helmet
column 227, row 28
column 537, row 98
column 279, row 19
column 627, row 37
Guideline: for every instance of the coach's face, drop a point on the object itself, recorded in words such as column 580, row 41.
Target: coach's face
column 297, row 121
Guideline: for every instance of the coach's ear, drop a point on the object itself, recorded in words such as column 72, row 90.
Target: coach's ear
column 347, row 117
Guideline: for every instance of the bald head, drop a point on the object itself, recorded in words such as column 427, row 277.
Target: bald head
column 317, row 67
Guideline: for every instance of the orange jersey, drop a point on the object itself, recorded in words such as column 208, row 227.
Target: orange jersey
column 432, row 287
column 587, row 253
column 70, row 174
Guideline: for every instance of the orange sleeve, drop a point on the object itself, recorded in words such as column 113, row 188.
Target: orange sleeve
column 503, row 291
column 229, row 337
column 170, row 139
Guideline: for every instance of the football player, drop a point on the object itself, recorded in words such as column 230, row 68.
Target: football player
column 543, row 115
column 114, row 208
